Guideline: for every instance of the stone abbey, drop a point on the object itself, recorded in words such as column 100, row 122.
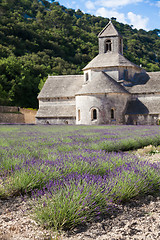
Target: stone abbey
column 112, row 90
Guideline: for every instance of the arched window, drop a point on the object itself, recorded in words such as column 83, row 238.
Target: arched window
column 112, row 113
column 94, row 114
column 86, row 77
column 108, row 46
column 79, row 115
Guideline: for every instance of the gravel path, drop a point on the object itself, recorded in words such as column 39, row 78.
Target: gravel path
column 138, row 220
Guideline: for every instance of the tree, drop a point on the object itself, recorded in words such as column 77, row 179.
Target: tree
column 38, row 38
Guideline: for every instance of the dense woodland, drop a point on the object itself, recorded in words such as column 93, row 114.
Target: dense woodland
column 38, row 38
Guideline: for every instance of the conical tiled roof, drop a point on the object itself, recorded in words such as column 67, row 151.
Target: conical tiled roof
column 109, row 31
column 109, row 59
column 101, row 83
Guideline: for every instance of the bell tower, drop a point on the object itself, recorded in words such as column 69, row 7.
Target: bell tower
column 110, row 41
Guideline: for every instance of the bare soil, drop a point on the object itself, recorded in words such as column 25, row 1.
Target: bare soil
column 138, row 219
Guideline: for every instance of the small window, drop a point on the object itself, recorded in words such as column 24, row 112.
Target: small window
column 125, row 74
column 112, row 113
column 108, row 46
column 120, row 45
column 94, row 114
column 79, row 115
column 86, row 77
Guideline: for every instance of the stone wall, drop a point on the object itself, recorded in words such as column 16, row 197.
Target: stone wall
column 56, row 111
column 114, row 46
column 11, row 118
column 139, row 119
column 58, row 120
column 9, row 114
column 29, row 115
column 8, row 109
column 103, row 104
column 13, row 115
column 131, row 72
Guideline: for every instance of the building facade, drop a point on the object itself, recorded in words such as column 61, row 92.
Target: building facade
column 112, row 90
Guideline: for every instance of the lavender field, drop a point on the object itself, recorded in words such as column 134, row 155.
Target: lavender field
column 74, row 174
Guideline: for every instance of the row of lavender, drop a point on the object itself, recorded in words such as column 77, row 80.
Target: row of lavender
column 75, row 173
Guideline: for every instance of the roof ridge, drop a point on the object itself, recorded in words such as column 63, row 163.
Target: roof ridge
column 115, row 32
column 115, row 82
column 62, row 76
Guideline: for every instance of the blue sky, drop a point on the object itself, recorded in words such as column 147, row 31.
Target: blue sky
column 143, row 14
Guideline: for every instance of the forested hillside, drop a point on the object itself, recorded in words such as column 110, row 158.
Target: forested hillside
column 38, row 38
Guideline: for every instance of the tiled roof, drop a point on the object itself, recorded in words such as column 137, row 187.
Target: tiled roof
column 151, row 86
column 101, row 83
column 61, row 86
column 144, row 105
column 109, row 59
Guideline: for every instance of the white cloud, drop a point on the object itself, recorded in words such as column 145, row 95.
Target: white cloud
column 111, row 13
column 116, row 3
column 90, row 5
column 108, row 9
column 138, row 21
column 158, row 4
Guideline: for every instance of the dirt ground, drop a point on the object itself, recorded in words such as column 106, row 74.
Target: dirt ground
column 138, row 219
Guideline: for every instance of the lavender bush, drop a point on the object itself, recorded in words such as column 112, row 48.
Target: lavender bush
column 75, row 173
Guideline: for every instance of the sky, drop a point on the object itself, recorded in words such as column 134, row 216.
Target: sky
column 142, row 14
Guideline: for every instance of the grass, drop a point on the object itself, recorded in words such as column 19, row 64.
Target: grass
column 74, row 174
